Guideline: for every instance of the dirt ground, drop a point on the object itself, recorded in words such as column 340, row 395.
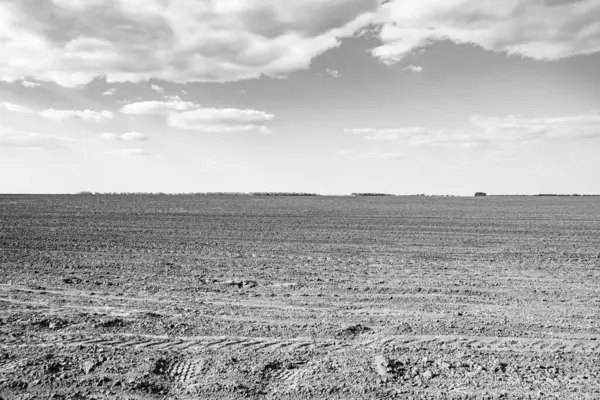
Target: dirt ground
column 188, row 297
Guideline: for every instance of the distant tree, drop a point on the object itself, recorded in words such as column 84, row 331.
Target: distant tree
column 372, row 194
column 282, row 194
column 480, row 194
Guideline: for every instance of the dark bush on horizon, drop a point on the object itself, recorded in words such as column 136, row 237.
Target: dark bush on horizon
column 373, row 194
column 559, row 195
column 282, row 194
column 87, row 193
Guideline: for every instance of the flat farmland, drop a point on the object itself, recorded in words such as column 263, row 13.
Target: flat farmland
column 299, row 297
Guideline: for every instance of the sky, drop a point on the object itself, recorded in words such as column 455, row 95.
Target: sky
column 325, row 96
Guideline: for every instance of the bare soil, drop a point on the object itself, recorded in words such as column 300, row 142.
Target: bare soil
column 186, row 297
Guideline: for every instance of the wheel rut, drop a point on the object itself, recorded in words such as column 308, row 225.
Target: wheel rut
column 495, row 343
column 200, row 344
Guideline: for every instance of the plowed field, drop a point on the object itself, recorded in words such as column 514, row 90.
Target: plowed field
column 185, row 297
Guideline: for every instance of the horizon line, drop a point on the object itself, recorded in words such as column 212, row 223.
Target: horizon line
column 296, row 194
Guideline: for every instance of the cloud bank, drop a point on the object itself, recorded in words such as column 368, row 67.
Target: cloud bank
column 72, row 41
column 538, row 29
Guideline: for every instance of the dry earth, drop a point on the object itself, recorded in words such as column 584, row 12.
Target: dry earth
column 299, row 298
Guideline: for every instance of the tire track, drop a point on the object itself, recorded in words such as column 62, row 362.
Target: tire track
column 7, row 366
column 80, row 294
column 200, row 344
column 497, row 344
column 185, row 371
column 289, row 373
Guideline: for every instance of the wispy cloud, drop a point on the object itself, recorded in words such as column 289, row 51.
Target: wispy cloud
column 30, row 140
column 109, row 92
column 83, row 115
column 334, row 73
column 16, row 108
column 491, row 131
column 29, row 84
column 221, row 120
column 389, row 134
column 414, row 68
column 125, row 137
column 191, row 116
column 61, row 115
column 527, row 129
column 157, row 89
column 158, row 107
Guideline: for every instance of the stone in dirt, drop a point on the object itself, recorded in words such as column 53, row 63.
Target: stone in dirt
column 353, row 330
column 88, row 367
column 52, row 323
column 111, row 323
column 72, row 280
column 381, row 365
column 241, row 284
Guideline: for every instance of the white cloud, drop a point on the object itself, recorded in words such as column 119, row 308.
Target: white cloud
column 16, row 108
column 158, row 107
column 539, row 29
column 29, row 84
column 61, row 115
column 334, row 73
column 76, row 4
column 529, row 129
column 30, row 140
column 172, row 40
column 221, row 120
column 83, row 115
column 191, row 116
column 157, row 89
column 414, row 68
column 110, row 92
column 126, row 137
column 492, row 131
column 134, row 137
column 390, row 134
